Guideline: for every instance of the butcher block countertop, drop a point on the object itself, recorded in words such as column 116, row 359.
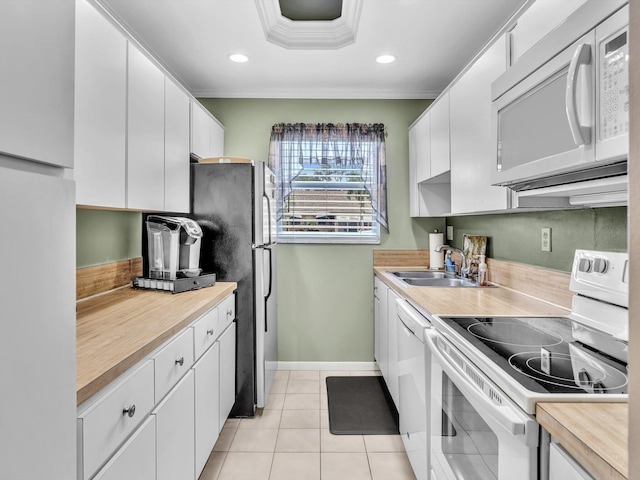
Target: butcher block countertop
column 117, row 329
column 595, row 434
column 481, row 301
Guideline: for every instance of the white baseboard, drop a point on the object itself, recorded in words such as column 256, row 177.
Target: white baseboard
column 328, row 366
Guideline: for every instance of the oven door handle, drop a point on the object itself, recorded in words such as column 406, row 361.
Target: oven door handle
column 505, row 415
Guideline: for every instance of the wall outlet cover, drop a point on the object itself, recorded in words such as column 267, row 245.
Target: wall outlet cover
column 449, row 232
column 545, row 239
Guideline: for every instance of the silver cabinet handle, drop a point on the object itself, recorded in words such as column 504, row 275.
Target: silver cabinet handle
column 180, row 361
column 230, row 312
column 210, row 332
column 130, row 410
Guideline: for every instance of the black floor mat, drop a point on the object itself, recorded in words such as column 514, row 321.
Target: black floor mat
column 360, row 406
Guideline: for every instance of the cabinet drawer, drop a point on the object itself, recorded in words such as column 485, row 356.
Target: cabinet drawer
column 205, row 332
column 106, row 424
column 136, row 458
column 227, row 312
column 172, row 362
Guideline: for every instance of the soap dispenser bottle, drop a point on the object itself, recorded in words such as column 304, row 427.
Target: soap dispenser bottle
column 449, row 264
column 482, row 272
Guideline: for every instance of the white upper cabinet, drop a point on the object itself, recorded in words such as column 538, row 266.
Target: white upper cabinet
column 200, row 131
column 471, row 145
column 216, row 145
column 207, row 135
column 539, row 19
column 100, row 110
column 440, row 143
column 36, row 98
column 145, row 128
column 421, row 136
column 176, row 148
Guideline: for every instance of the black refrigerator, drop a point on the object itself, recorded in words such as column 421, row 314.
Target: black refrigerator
column 234, row 203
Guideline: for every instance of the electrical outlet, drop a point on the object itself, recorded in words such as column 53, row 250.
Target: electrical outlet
column 449, row 232
column 546, row 239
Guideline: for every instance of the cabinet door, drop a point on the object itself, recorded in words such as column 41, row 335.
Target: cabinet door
column 440, row 143
column 100, row 110
column 176, row 148
column 38, row 392
column 472, row 149
column 392, row 345
column 36, row 98
column 539, row 19
column 207, row 404
column 200, row 131
column 564, row 467
column 136, row 459
column 380, row 325
column 227, row 372
column 216, row 148
column 145, row 133
column 422, row 138
column 175, row 452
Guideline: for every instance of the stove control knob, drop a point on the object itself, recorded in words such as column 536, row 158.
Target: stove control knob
column 584, row 378
column 600, row 265
column 584, row 265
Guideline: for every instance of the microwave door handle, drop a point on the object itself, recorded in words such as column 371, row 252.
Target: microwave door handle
column 504, row 415
column 582, row 56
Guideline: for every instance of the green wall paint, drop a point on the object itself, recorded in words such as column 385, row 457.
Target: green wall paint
column 516, row 237
column 104, row 236
column 325, row 292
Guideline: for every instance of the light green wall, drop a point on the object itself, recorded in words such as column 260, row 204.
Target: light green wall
column 325, row 292
column 105, row 236
column 516, row 237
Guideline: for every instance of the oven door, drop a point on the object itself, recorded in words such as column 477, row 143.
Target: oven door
column 475, row 430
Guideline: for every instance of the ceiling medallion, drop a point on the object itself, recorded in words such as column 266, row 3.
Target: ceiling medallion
column 309, row 35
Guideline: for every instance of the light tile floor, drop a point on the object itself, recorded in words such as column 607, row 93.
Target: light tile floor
column 290, row 440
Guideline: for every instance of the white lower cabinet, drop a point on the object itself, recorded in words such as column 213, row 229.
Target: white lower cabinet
column 563, row 466
column 227, row 372
column 136, row 459
column 392, row 346
column 207, row 403
column 175, row 437
column 161, row 419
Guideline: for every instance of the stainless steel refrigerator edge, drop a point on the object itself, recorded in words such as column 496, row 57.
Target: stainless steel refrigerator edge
column 233, row 202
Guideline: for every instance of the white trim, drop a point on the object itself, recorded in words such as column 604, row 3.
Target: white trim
column 327, row 366
column 337, row 94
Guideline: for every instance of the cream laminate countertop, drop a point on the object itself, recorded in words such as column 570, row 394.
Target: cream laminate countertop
column 482, row 301
column 117, row 329
column 595, row 434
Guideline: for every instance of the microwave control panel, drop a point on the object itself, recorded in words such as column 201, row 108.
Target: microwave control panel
column 614, row 85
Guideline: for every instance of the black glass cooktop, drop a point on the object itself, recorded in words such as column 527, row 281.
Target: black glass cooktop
column 544, row 354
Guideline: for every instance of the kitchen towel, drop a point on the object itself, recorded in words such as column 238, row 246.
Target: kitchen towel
column 436, row 259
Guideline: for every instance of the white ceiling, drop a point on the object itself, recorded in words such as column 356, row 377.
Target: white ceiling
column 432, row 39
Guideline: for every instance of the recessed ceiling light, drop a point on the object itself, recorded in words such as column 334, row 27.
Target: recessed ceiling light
column 238, row 58
column 386, row 58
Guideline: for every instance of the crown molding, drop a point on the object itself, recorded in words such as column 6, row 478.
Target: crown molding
column 309, row 35
column 329, row 94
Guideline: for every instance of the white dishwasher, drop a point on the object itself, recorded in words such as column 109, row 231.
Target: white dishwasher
column 412, row 386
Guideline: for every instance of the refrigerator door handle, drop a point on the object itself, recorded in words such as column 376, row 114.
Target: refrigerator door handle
column 268, row 200
column 266, row 297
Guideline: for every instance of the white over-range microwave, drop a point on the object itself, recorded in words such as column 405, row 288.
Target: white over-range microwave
column 561, row 112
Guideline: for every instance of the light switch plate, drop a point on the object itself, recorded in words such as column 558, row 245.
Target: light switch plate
column 545, row 239
column 449, row 232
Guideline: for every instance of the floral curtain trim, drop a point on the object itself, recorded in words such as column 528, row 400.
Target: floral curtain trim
column 332, row 145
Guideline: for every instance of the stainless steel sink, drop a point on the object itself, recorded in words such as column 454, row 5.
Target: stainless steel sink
column 439, row 282
column 428, row 275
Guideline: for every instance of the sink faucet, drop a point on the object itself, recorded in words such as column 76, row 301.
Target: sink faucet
column 464, row 270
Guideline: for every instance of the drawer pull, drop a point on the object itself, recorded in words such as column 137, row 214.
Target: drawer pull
column 180, row 361
column 229, row 312
column 210, row 331
column 130, row 410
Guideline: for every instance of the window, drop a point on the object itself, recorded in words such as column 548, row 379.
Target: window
column 328, row 182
